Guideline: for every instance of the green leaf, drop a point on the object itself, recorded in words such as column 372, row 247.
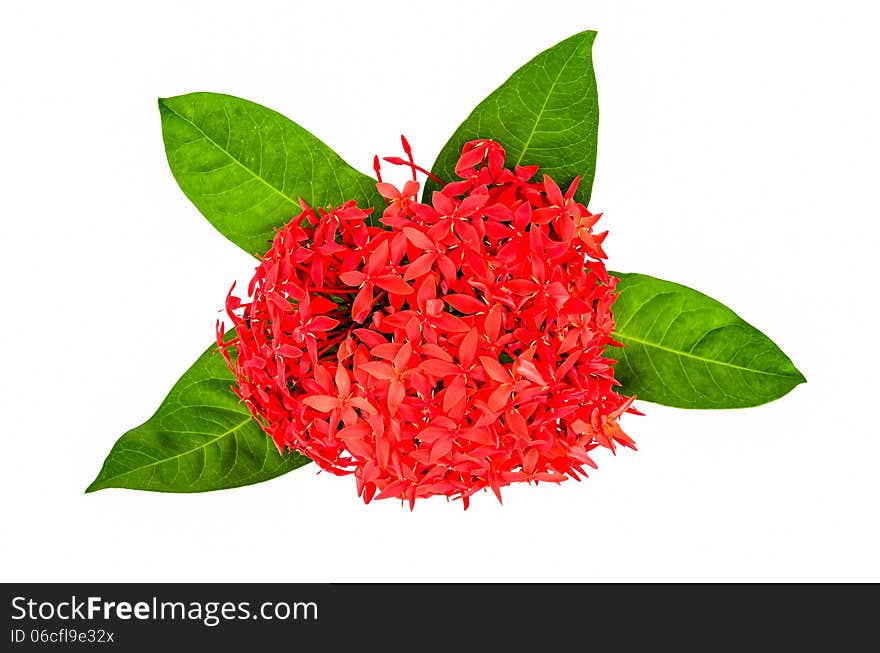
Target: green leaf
column 546, row 114
column 201, row 438
column 245, row 166
column 684, row 349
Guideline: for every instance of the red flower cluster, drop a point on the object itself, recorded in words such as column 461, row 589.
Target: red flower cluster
column 459, row 349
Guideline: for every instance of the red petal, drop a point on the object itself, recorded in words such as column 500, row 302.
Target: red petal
column 387, row 350
column 401, row 360
column 393, row 490
column 442, row 203
column 465, row 303
column 426, row 290
column 411, row 188
column 281, row 302
column 379, row 258
column 492, row 325
column 470, row 204
column 393, row 284
column 383, row 451
column 359, row 448
column 493, row 481
column 377, row 369
column 388, row 191
column 439, row 368
column 498, row 212
column 467, row 350
column 397, row 320
column 447, row 267
column 352, row 278
column 553, row 192
column 418, row 239
column 495, row 370
column 363, row 404
column 322, row 305
column 479, row 435
column 449, row 322
column 498, row 231
column 432, row 433
column 530, row 460
column 362, row 304
column 424, row 212
column 522, row 216
column 440, row 448
column 434, row 307
column 370, row 338
column 469, row 160
column 528, row 370
column 565, row 228
column 359, row 430
column 396, row 395
column 398, row 248
column 435, row 351
column 324, row 403
column 499, row 399
column 454, row 394
column 522, row 286
column 572, row 188
column 343, row 382
column 517, row 424
column 322, row 323
column 324, row 379
column 419, row 267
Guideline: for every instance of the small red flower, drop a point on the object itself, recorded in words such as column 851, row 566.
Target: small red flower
column 460, row 349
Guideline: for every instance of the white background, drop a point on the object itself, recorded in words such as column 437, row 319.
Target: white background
column 738, row 154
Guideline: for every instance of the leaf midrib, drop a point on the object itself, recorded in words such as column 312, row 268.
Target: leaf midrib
column 182, row 454
column 640, row 341
column 229, row 154
column 544, row 105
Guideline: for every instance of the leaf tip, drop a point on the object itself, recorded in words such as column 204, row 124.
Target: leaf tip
column 93, row 487
column 587, row 35
column 797, row 377
column 164, row 109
